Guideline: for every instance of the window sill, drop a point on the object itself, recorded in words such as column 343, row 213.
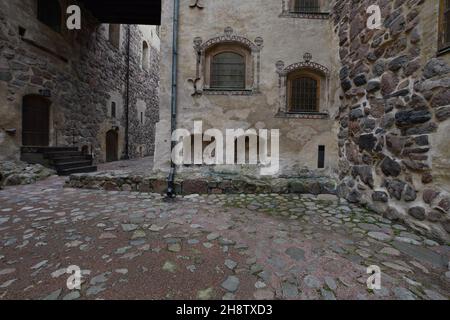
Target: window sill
column 302, row 115
column 228, row 92
column 443, row 51
column 305, row 15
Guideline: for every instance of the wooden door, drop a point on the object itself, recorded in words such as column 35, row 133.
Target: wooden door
column 35, row 121
column 111, row 146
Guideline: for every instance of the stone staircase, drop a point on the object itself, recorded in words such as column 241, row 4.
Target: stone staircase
column 65, row 160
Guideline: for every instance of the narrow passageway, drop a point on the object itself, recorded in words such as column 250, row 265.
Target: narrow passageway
column 140, row 246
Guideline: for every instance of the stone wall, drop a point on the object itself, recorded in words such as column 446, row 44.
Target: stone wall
column 278, row 40
column 188, row 183
column 394, row 114
column 84, row 73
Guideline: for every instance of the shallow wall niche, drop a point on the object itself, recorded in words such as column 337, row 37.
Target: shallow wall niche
column 141, row 108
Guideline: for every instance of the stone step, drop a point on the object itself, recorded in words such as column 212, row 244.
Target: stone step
column 59, row 154
column 73, row 164
column 67, row 172
column 30, row 149
column 62, row 160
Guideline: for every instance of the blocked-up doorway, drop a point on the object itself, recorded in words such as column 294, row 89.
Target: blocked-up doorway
column 35, row 121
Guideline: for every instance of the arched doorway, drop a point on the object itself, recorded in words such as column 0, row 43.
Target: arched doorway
column 35, row 121
column 112, row 141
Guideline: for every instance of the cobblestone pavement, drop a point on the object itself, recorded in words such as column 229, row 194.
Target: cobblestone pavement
column 139, row 246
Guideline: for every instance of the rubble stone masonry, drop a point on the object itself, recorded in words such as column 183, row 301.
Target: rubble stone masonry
column 84, row 72
column 394, row 146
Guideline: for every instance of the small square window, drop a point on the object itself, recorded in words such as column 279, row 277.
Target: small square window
column 321, row 157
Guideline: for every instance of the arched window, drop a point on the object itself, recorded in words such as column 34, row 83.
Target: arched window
column 145, row 56
column 114, row 35
column 229, row 64
column 49, row 13
column 228, row 71
column 303, row 92
column 309, row 6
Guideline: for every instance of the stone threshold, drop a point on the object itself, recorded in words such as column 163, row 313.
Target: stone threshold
column 206, row 184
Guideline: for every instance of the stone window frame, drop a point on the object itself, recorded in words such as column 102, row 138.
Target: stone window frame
column 444, row 47
column 288, row 11
column 227, row 42
column 307, row 67
column 141, row 109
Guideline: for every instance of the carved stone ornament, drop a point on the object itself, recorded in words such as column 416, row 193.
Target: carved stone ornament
column 197, row 42
column 307, row 57
column 197, row 91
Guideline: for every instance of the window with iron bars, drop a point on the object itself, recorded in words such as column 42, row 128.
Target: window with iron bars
column 304, row 95
column 228, row 71
column 306, row 6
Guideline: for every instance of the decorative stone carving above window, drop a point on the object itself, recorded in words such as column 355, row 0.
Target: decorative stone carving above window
column 234, row 46
column 197, row 4
column 307, row 81
column 306, row 9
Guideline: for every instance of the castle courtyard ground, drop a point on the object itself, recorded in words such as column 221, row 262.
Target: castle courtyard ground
column 142, row 246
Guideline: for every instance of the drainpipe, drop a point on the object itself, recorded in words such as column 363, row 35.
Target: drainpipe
column 173, row 122
column 127, row 97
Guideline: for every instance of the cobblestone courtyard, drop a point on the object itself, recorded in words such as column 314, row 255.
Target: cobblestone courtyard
column 140, row 246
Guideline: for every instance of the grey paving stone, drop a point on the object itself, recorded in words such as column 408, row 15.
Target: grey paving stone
column 296, row 253
column 231, row 284
column 421, row 254
column 312, row 282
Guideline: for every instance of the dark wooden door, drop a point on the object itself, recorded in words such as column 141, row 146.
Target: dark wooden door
column 111, row 146
column 35, row 121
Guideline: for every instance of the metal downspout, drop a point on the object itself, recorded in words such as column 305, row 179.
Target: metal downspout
column 127, row 97
column 171, row 178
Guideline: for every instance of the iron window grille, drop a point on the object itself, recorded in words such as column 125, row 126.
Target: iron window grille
column 304, row 97
column 228, row 71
